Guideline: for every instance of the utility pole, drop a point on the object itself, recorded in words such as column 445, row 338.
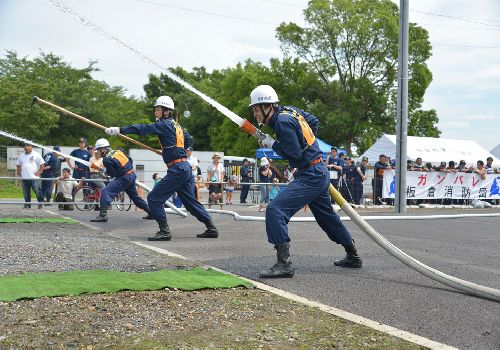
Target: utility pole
column 402, row 110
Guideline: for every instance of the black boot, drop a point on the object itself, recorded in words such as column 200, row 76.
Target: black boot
column 283, row 268
column 149, row 216
column 102, row 217
column 210, row 232
column 164, row 234
column 351, row 259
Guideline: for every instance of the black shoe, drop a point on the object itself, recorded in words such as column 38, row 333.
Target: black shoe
column 164, row 234
column 283, row 268
column 351, row 259
column 40, row 206
column 210, row 232
column 102, row 217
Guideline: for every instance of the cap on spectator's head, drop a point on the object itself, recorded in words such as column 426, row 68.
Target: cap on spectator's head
column 216, row 155
column 408, row 161
column 189, row 148
column 462, row 161
column 264, row 161
column 442, row 164
column 364, row 158
column 57, row 148
column 347, row 158
column 451, row 163
column 334, row 149
column 245, row 160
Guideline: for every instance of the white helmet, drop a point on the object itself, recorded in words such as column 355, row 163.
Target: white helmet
column 264, row 161
column 101, row 143
column 263, row 94
column 165, row 101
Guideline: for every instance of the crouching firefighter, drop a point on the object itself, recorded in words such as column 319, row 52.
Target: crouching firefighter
column 118, row 165
column 296, row 142
column 173, row 140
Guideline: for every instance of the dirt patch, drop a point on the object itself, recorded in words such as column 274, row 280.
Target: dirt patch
column 234, row 318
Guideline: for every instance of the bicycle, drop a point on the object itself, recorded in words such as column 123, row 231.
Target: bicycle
column 86, row 198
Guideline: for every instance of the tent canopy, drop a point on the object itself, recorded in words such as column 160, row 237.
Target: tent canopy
column 269, row 153
column 431, row 150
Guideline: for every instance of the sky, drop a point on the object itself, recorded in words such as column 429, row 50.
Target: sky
column 465, row 36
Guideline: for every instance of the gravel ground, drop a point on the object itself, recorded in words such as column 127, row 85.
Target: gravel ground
column 231, row 318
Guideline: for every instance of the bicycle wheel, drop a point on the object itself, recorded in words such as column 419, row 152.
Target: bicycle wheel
column 123, row 201
column 85, row 198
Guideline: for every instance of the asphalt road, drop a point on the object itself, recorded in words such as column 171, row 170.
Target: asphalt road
column 384, row 289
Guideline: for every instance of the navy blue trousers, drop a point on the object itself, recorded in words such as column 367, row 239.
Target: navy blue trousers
column 123, row 183
column 46, row 188
column 179, row 179
column 310, row 187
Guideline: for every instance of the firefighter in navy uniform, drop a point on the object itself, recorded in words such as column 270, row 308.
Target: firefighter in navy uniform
column 174, row 140
column 118, row 165
column 296, row 142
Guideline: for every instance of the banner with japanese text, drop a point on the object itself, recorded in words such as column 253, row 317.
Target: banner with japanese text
column 437, row 185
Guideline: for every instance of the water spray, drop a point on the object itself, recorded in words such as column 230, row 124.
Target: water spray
column 245, row 125
column 139, row 184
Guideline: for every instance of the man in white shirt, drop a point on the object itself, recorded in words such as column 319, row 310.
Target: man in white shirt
column 30, row 165
column 66, row 187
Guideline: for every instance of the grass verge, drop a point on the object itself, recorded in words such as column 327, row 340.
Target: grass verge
column 8, row 189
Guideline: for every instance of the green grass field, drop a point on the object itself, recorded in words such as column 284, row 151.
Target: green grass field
column 8, row 189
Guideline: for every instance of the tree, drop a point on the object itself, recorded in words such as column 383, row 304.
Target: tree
column 52, row 79
column 352, row 46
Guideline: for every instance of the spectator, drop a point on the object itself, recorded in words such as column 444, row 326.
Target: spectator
column 462, row 167
column 443, row 168
column 275, row 189
column 265, row 175
column 480, row 170
column 246, row 175
column 359, row 177
column 418, row 166
column 451, row 167
column 334, row 164
column 215, row 175
column 66, row 188
column 429, row 167
column 156, row 179
column 94, row 171
column 289, row 173
column 380, row 167
column 51, row 161
column 489, row 166
column 57, row 166
column 79, row 169
column 347, row 188
column 409, row 165
column 30, row 165
column 232, row 181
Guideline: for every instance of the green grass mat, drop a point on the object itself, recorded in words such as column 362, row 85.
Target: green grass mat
column 50, row 284
column 30, row 220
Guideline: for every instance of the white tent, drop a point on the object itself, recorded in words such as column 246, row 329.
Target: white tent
column 430, row 149
column 496, row 151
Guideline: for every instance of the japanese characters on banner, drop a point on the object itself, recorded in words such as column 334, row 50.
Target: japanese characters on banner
column 434, row 185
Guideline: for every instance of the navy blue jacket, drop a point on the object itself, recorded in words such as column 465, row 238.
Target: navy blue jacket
column 166, row 129
column 82, row 154
column 51, row 161
column 117, row 163
column 291, row 143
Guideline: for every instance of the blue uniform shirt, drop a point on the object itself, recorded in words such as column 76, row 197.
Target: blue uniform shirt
column 245, row 173
column 117, row 163
column 82, row 154
column 357, row 177
column 350, row 172
column 168, row 132
column 291, row 143
column 50, row 160
column 336, row 161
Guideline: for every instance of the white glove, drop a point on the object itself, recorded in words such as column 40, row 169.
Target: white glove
column 114, row 130
column 268, row 141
